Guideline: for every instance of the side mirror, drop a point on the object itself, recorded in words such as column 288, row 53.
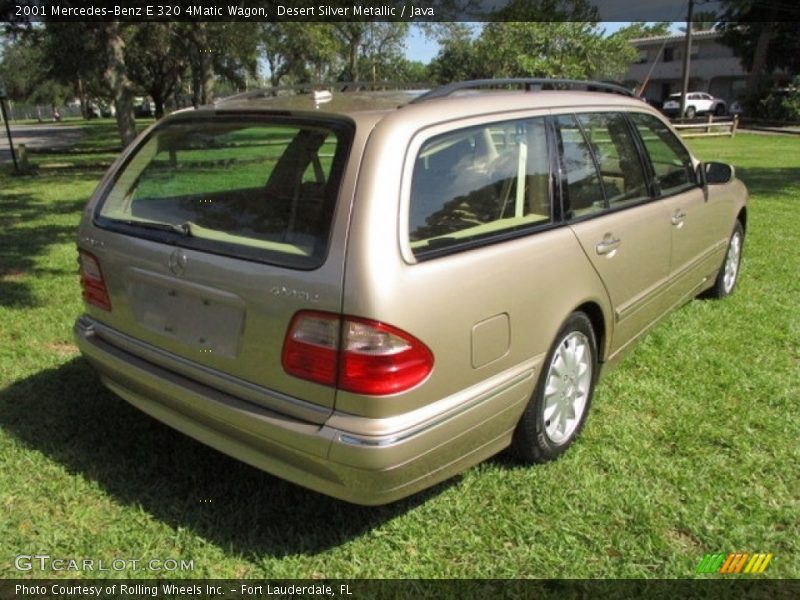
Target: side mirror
column 700, row 173
column 718, row 173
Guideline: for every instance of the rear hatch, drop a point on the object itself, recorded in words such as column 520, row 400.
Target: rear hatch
column 211, row 235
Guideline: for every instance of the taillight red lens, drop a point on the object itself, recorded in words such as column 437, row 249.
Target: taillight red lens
column 92, row 282
column 357, row 355
column 378, row 359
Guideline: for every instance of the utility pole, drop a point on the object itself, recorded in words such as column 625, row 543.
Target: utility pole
column 686, row 52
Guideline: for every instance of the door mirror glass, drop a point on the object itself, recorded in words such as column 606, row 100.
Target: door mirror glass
column 717, row 173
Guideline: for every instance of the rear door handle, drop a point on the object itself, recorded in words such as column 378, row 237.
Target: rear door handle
column 678, row 217
column 608, row 245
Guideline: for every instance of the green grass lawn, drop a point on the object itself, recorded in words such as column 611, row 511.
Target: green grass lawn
column 692, row 445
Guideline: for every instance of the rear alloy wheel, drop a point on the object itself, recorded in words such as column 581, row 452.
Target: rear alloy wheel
column 557, row 411
column 690, row 112
column 729, row 271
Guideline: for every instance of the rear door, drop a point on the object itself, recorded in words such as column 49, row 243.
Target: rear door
column 623, row 232
column 211, row 237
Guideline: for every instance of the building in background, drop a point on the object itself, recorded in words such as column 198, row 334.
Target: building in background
column 713, row 67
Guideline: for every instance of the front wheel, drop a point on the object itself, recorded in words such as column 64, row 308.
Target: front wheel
column 729, row 271
column 560, row 403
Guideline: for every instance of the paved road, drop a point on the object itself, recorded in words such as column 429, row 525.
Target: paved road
column 39, row 136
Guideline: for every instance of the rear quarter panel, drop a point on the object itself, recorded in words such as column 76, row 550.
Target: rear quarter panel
column 483, row 312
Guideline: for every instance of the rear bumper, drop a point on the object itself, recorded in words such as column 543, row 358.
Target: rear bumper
column 337, row 461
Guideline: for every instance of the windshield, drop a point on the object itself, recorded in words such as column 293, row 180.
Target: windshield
column 264, row 190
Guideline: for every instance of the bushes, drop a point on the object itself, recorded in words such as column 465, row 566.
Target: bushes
column 782, row 103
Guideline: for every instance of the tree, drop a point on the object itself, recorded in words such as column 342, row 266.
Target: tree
column 382, row 50
column 546, row 11
column 765, row 36
column 93, row 55
column 116, row 75
column 568, row 49
column 235, row 52
column 76, row 55
column 639, row 29
column 300, row 52
column 156, row 61
column 565, row 49
column 219, row 50
column 23, row 70
column 457, row 57
column 368, row 40
column 704, row 20
column 410, row 71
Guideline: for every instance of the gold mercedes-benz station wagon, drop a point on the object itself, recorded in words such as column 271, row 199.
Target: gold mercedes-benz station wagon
column 367, row 293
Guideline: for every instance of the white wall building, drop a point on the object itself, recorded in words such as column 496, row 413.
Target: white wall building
column 713, row 67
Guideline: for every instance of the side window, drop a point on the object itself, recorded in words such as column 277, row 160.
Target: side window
column 584, row 188
column 320, row 162
column 477, row 182
column 621, row 172
column 671, row 162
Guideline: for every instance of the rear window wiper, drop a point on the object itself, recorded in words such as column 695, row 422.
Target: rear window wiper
column 185, row 229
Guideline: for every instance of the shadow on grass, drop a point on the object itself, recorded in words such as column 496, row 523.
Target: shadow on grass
column 20, row 208
column 68, row 415
column 19, row 249
column 22, row 244
column 769, row 181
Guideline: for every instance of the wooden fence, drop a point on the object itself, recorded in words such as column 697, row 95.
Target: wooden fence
column 709, row 128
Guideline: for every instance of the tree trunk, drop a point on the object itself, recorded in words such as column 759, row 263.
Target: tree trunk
column 353, row 58
column 202, row 67
column 117, row 79
column 158, row 102
column 82, row 98
column 207, row 79
column 759, row 67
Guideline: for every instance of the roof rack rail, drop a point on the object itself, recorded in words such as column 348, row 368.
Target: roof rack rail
column 530, row 85
column 336, row 86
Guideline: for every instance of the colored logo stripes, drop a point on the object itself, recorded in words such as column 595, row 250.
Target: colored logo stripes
column 735, row 562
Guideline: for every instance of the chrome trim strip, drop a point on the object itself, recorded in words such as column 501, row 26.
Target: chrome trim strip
column 373, row 432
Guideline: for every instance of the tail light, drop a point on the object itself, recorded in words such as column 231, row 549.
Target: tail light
column 354, row 354
column 92, row 282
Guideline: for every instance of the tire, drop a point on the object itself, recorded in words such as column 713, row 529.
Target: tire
column 690, row 112
column 542, row 436
column 720, row 110
column 729, row 271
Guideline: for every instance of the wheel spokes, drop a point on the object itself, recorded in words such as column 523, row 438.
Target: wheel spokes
column 567, row 387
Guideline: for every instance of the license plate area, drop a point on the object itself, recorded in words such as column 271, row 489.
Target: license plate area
column 204, row 318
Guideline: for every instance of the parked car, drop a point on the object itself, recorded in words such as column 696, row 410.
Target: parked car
column 143, row 108
column 93, row 111
column 697, row 103
column 367, row 293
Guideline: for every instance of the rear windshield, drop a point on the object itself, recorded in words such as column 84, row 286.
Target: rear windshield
column 256, row 189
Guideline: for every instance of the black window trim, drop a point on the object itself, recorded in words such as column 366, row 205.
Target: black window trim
column 654, row 192
column 659, row 194
column 644, row 158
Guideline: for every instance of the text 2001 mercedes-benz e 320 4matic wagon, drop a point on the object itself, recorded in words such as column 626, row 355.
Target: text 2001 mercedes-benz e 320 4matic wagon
column 368, row 295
